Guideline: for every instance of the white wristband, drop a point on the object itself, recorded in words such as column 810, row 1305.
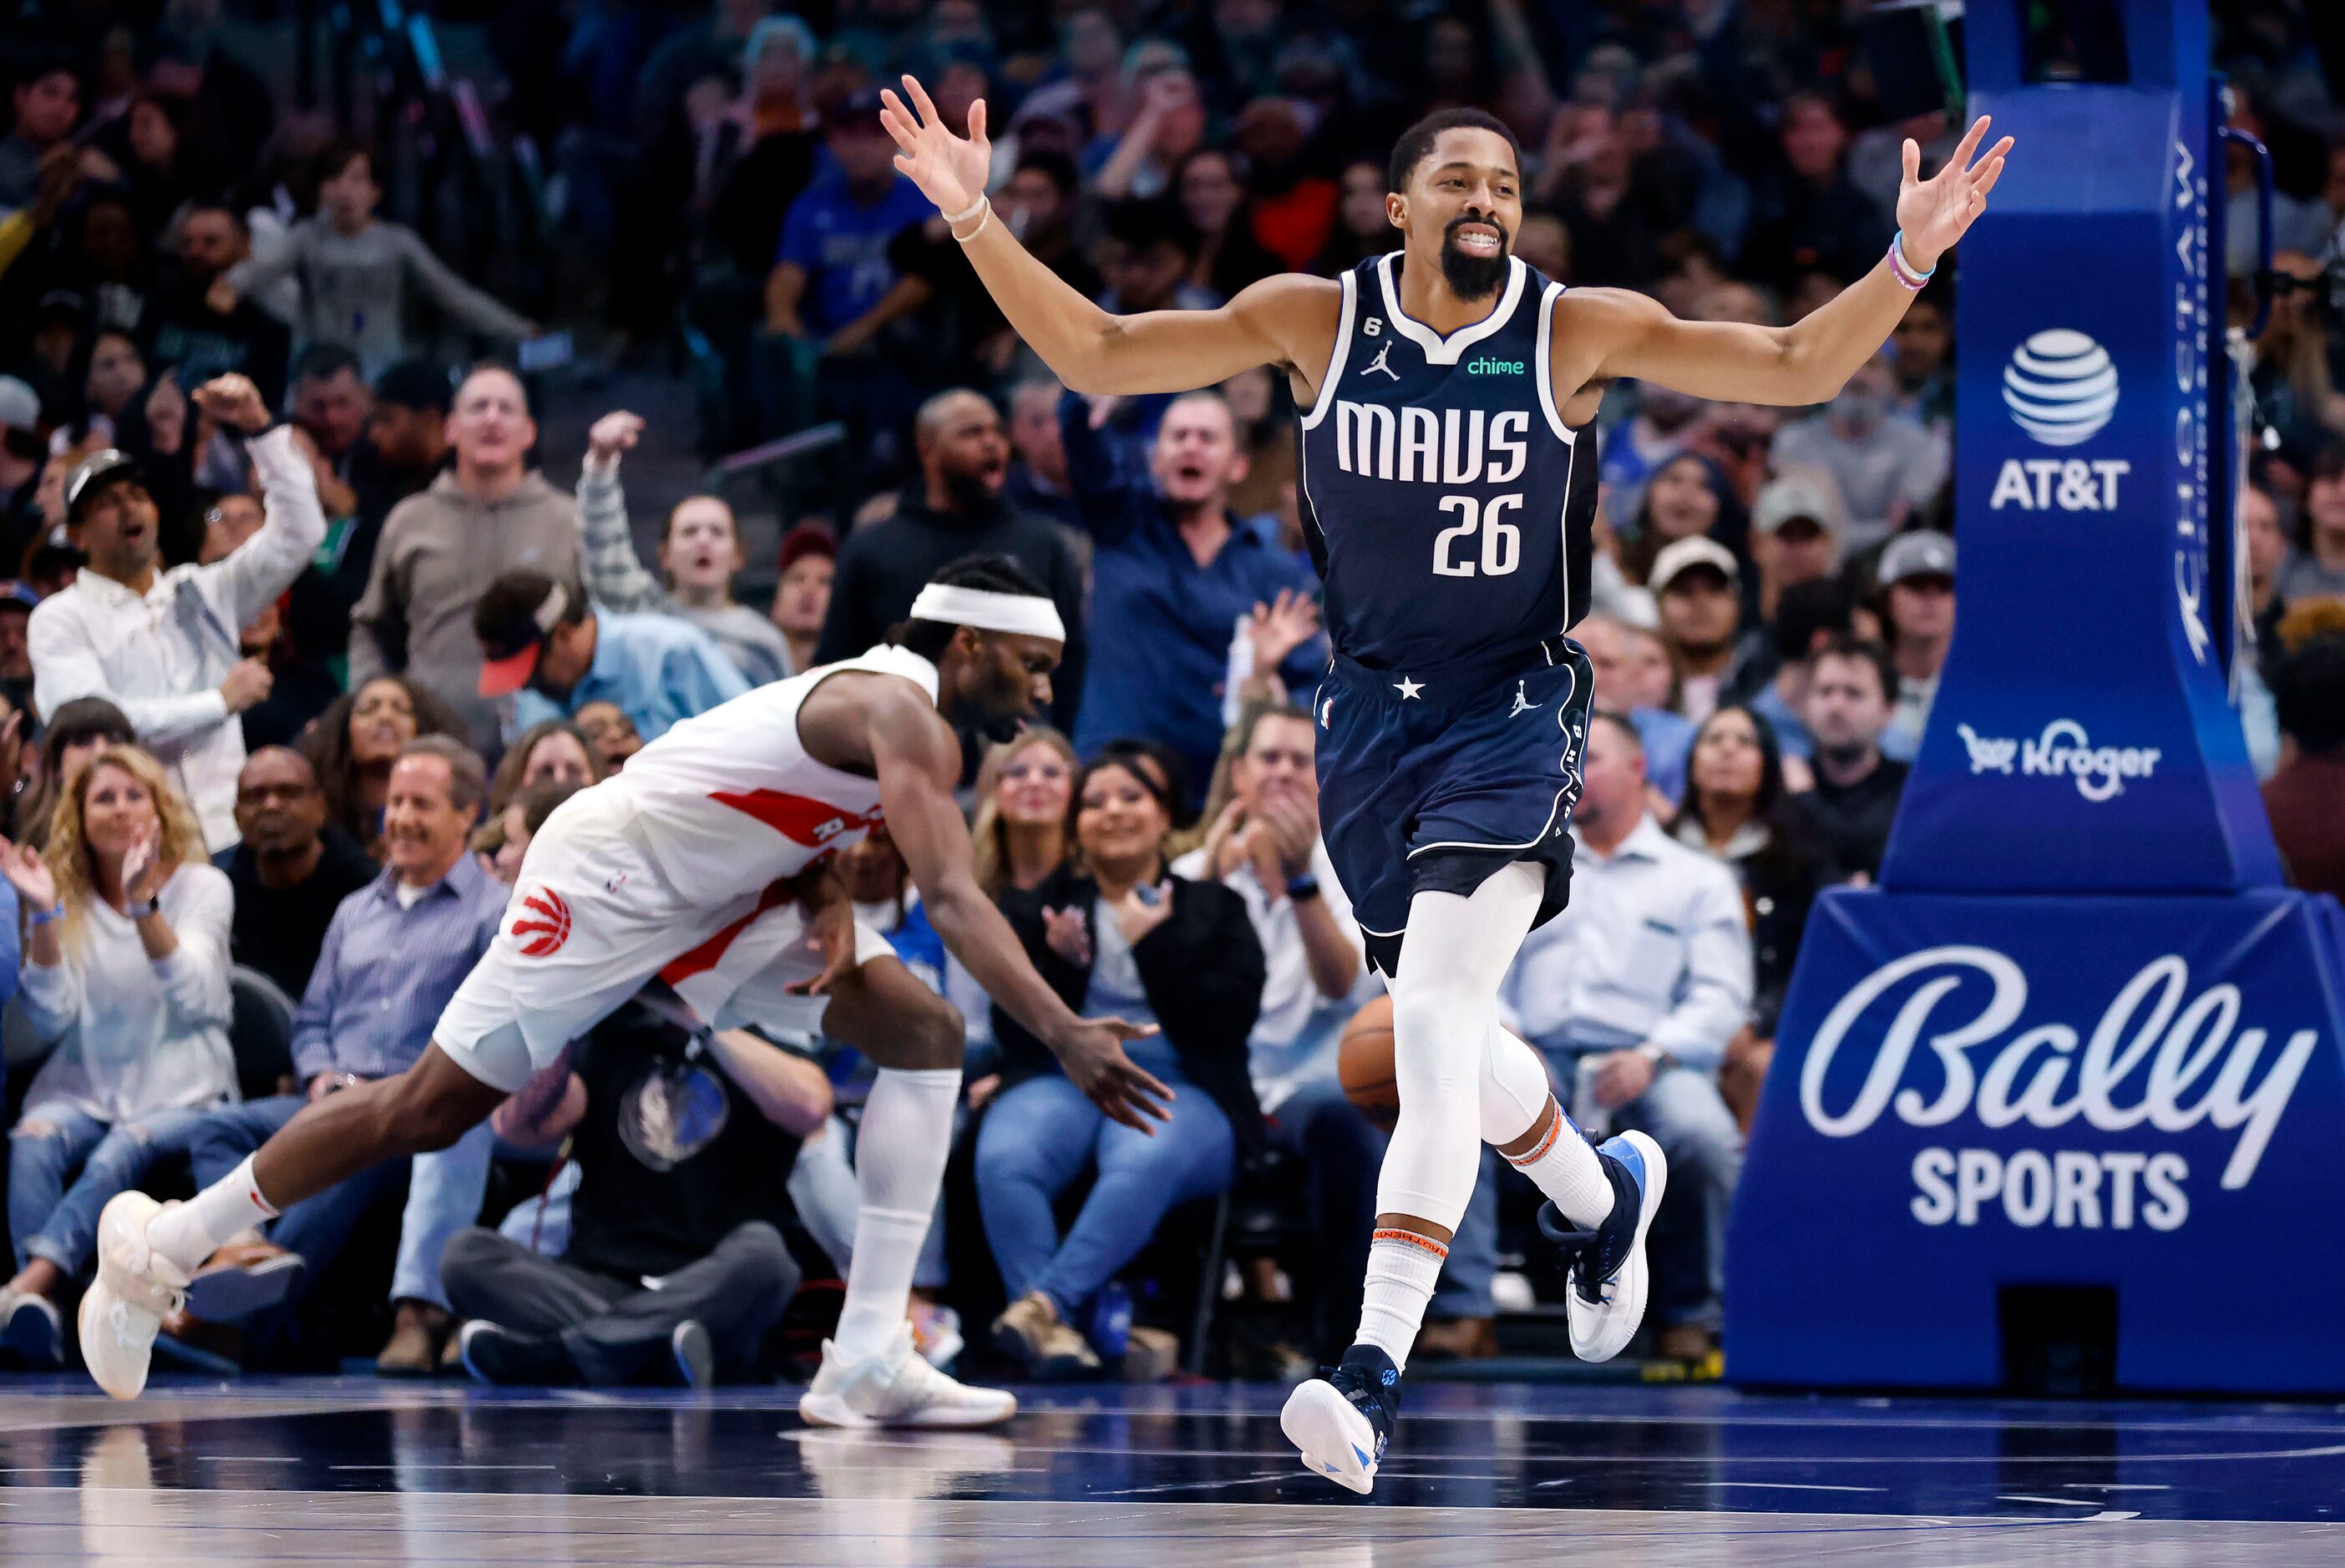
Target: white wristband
column 966, row 213
column 987, row 207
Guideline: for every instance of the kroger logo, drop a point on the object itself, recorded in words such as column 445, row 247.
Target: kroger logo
column 2062, row 749
column 2061, row 387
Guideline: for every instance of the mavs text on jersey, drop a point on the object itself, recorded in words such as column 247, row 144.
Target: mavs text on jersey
column 1447, row 508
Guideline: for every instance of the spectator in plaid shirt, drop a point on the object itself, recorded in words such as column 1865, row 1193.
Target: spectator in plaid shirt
column 700, row 550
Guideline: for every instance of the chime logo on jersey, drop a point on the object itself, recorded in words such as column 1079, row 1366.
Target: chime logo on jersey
column 549, row 931
column 1415, row 445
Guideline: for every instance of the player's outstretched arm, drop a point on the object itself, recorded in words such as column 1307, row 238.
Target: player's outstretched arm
column 1609, row 333
column 917, row 762
column 1278, row 321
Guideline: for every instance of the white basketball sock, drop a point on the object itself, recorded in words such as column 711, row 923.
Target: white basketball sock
column 1514, row 1097
column 195, row 1229
column 1403, row 1268
column 1445, row 1001
column 900, row 1164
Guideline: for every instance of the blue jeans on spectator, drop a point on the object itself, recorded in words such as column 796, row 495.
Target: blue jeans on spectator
column 1042, row 1135
column 1683, row 1112
column 1341, row 1153
column 56, row 1221
column 443, row 1196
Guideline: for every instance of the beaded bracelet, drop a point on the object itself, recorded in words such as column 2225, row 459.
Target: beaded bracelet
column 1903, row 269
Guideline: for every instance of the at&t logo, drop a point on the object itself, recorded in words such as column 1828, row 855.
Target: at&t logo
column 2061, row 388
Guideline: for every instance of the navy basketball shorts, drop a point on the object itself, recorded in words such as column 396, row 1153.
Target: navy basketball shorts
column 1431, row 783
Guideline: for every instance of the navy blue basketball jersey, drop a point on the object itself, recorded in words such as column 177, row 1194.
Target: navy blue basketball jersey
column 1446, row 503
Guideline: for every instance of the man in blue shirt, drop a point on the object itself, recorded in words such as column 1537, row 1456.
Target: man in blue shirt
column 1184, row 581
column 541, row 642
column 394, row 955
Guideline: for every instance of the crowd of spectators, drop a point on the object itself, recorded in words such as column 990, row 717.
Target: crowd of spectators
column 299, row 645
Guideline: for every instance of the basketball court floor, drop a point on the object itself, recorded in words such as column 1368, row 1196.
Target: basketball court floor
column 297, row 1471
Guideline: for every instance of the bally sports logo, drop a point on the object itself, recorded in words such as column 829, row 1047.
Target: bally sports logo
column 2060, row 387
column 549, row 930
column 2158, row 1061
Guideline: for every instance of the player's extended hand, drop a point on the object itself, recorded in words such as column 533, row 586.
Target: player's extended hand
column 1935, row 212
column 949, row 169
column 1094, row 1062
column 831, row 933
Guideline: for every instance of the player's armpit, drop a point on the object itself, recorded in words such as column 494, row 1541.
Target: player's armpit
column 1611, row 334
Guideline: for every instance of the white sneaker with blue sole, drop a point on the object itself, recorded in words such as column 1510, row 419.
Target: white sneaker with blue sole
column 1605, row 1302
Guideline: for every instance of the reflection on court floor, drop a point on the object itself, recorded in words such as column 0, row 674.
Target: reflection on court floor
column 320, row 1470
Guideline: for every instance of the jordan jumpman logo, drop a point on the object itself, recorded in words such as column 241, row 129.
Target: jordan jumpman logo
column 1523, row 704
column 1378, row 363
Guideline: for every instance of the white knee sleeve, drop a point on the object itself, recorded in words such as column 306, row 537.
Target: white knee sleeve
column 1515, row 1087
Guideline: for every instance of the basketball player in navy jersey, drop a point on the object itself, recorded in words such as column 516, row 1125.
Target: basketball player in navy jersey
column 1448, row 480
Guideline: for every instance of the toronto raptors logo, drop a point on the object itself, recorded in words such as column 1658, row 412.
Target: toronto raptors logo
column 548, row 930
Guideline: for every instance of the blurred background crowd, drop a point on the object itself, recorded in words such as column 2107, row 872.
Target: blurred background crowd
column 346, row 350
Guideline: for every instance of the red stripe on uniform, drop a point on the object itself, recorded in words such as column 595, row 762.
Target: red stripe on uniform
column 800, row 818
column 711, row 953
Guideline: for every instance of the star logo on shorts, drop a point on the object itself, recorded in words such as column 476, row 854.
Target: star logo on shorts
column 547, row 933
column 1409, row 688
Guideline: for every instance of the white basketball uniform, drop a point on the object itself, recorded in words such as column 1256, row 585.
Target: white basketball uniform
column 667, row 870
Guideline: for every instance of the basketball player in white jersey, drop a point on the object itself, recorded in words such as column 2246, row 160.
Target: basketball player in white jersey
column 1448, row 392
column 692, row 867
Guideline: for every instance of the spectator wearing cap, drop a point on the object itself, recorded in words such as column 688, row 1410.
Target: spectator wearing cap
column 808, row 564
column 47, row 102
column 16, row 605
column 955, row 509
column 1887, row 467
column 543, row 642
column 1698, row 585
column 163, row 647
column 1918, row 593
column 1808, row 615
column 2302, row 795
column 1633, row 677
column 21, row 454
column 834, row 286
column 184, row 324
column 359, row 272
column 1795, row 536
column 700, row 550
column 1851, row 692
column 489, row 513
column 1181, row 578
column 291, row 869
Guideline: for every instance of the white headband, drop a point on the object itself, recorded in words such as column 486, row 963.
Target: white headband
column 990, row 611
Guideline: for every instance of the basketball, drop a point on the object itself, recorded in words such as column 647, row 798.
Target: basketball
column 1364, row 1063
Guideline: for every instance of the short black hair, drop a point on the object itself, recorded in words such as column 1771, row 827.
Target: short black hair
column 1157, row 766
column 1621, row 723
column 218, row 204
column 1863, row 650
column 324, row 361
column 992, row 573
column 1804, row 609
column 2307, row 689
column 1053, row 166
column 1143, row 223
column 335, row 157
column 416, row 384
column 1416, row 144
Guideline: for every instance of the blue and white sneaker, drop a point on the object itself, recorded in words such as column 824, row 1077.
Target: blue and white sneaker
column 1342, row 1421
column 1607, row 1299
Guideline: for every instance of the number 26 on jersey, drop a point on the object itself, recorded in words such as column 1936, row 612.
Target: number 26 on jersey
column 1501, row 542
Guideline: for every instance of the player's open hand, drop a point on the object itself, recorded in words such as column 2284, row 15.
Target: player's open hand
column 949, row 169
column 1094, row 1062
column 1935, row 212
column 831, row 934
